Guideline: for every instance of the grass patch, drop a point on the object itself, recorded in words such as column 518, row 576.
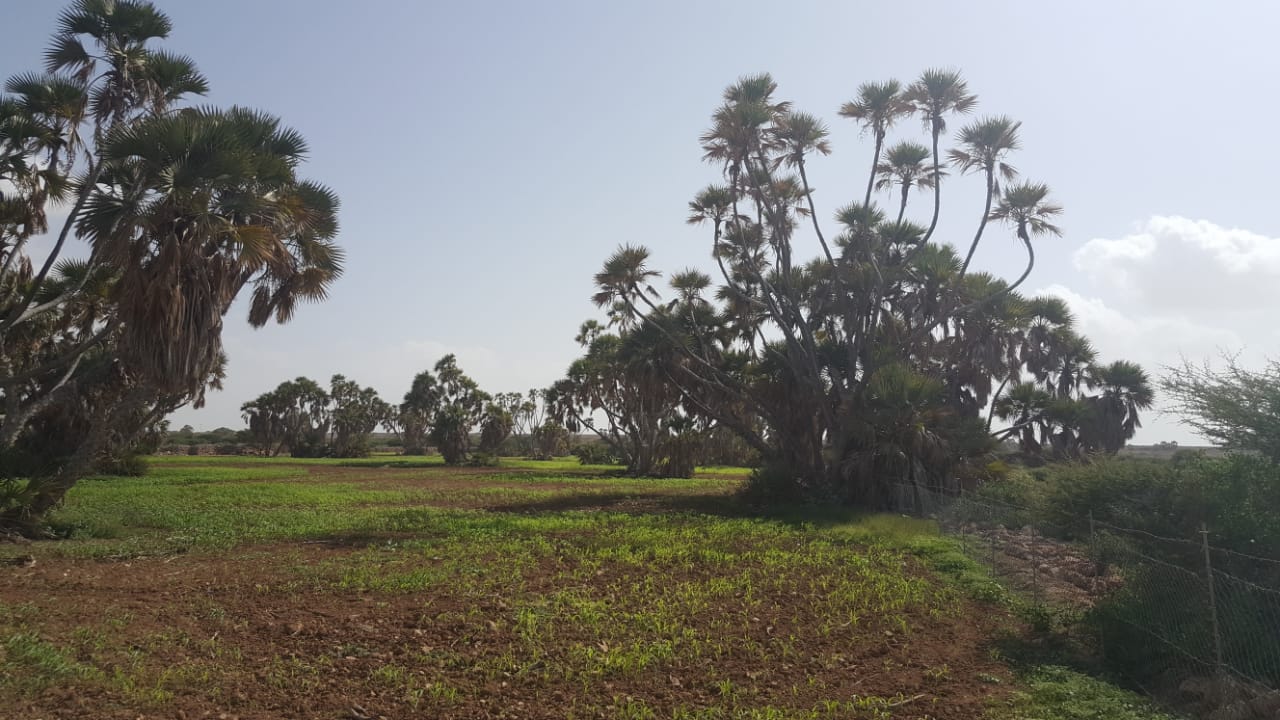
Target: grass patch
column 430, row 590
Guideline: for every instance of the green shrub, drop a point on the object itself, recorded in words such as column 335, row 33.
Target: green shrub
column 595, row 454
column 127, row 466
column 1164, row 591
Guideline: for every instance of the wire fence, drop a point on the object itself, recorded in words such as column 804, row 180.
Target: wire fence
column 1179, row 615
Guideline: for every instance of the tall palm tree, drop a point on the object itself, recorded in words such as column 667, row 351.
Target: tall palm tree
column 983, row 147
column 1027, row 208
column 935, row 95
column 905, row 166
column 878, row 106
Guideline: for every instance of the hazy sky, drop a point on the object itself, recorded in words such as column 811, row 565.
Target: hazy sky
column 490, row 155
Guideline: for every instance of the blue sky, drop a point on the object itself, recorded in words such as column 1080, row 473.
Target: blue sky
column 490, row 155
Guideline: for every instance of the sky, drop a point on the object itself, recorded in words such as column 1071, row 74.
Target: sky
column 490, row 155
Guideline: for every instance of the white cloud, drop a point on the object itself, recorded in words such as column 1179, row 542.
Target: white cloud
column 1173, row 288
column 1195, row 266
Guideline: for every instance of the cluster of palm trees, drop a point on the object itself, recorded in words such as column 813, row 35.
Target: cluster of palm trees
column 442, row 409
column 172, row 211
column 301, row 416
column 874, row 365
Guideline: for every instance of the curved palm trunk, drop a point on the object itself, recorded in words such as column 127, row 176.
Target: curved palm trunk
column 875, row 161
column 813, row 213
column 986, row 212
column 994, row 399
column 1031, row 263
column 49, row 491
column 1031, row 260
column 902, row 207
column 937, row 184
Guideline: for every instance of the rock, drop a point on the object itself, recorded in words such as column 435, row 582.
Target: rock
column 1196, row 688
column 1266, row 706
column 1238, row 710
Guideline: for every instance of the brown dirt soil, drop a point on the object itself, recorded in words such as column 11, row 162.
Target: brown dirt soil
column 247, row 636
column 1046, row 568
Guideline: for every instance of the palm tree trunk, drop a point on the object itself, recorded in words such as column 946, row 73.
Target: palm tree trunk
column 986, row 212
column 1031, row 259
column 994, row 399
column 902, row 208
column 937, row 184
column 1031, row 263
column 49, row 491
column 875, row 161
column 813, row 213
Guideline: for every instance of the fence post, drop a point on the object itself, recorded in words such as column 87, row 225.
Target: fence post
column 1035, row 565
column 1213, row 601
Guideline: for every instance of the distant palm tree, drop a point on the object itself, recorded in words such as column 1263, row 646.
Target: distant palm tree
column 983, row 146
column 1126, row 389
column 935, row 95
column 905, row 166
column 625, row 278
column 1068, row 365
column 1024, row 404
column 689, row 285
column 878, row 106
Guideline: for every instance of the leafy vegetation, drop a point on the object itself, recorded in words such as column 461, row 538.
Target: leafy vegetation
column 1234, row 407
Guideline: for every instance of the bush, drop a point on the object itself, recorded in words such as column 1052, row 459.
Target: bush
column 1164, row 590
column 482, row 459
column 595, row 454
column 126, row 466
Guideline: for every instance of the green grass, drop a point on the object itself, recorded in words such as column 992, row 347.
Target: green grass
column 1057, row 693
column 554, row 575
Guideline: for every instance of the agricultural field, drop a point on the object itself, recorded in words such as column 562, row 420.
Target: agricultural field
column 267, row 588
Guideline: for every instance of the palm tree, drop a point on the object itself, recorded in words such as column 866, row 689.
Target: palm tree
column 1068, row 365
column 134, row 77
column 1126, row 389
column 800, row 134
column 624, row 278
column 1027, row 208
column 935, row 95
column 904, row 166
column 1024, row 404
column 878, row 107
column 689, row 286
column 983, row 146
column 119, row 77
column 211, row 195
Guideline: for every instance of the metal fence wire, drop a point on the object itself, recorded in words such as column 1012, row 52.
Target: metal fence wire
column 1189, row 617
